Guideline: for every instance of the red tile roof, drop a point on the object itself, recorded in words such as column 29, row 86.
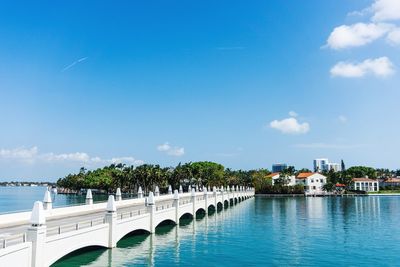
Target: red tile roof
column 392, row 180
column 304, row 175
column 272, row 174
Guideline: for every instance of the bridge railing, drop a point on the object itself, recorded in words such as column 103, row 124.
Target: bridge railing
column 65, row 228
column 184, row 201
column 164, row 205
column 130, row 214
column 10, row 240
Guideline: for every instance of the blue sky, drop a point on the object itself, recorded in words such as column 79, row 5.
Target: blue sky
column 243, row 84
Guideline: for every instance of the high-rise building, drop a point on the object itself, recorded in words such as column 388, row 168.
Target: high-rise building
column 279, row 167
column 320, row 164
column 323, row 164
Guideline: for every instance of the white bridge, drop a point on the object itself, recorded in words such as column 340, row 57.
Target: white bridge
column 43, row 236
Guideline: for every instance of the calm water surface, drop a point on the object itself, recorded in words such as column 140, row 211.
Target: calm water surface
column 21, row 198
column 258, row 232
column 269, row 232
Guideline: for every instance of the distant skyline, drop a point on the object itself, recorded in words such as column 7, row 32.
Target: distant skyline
column 246, row 85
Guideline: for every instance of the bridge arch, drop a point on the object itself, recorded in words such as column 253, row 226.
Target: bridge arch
column 226, row 203
column 165, row 222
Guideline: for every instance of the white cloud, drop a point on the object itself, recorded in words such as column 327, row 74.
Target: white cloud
column 342, row 119
column 78, row 156
column 358, row 34
column 385, row 10
column 20, row 153
column 293, row 114
column 380, row 67
column 394, row 37
column 164, row 147
column 32, row 155
column 172, row 151
column 290, row 126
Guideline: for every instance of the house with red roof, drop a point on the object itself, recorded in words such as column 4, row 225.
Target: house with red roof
column 313, row 182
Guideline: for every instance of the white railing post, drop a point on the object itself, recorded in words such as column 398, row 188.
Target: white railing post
column 176, row 205
column 47, row 203
column 111, row 219
column 118, row 195
column 222, row 197
column 215, row 198
column 169, row 190
column 140, row 192
column 157, row 191
column 89, row 197
column 193, row 196
column 151, row 208
column 37, row 235
column 180, row 189
column 205, row 199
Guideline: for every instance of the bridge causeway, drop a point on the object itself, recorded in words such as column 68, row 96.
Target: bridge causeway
column 43, row 236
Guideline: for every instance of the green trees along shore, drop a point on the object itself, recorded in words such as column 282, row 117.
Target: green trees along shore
column 129, row 178
column 203, row 173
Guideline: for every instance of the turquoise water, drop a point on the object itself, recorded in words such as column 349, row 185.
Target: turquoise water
column 268, row 232
column 256, row 232
column 21, row 198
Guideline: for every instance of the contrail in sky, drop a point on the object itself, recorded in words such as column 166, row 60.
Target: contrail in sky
column 74, row 63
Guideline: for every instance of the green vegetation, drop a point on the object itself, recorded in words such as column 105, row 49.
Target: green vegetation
column 129, row 178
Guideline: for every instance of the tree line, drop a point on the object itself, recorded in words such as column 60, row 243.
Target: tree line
column 147, row 176
column 203, row 173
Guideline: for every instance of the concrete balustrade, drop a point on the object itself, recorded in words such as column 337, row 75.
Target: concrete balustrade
column 42, row 246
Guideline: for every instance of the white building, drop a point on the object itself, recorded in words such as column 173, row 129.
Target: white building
column 290, row 180
column 366, row 184
column 312, row 182
column 323, row 164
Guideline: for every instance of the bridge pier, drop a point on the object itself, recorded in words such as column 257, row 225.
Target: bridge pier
column 37, row 235
column 151, row 209
column 193, row 196
column 206, row 200
column 111, row 219
column 176, row 205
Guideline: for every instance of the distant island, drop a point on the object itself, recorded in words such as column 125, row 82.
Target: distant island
column 15, row 183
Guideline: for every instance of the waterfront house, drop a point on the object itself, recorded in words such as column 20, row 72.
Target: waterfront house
column 290, row 179
column 312, row 182
column 390, row 182
column 365, row 184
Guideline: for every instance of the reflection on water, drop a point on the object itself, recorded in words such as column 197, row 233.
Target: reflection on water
column 337, row 231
